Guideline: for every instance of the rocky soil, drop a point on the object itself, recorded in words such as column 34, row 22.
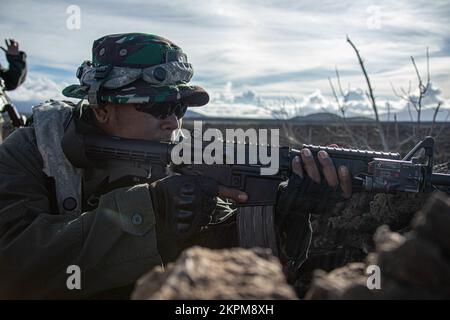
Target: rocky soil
column 201, row 273
column 346, row 234
column 412, row 266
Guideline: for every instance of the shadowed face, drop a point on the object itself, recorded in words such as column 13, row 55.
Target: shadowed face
column 123, row 120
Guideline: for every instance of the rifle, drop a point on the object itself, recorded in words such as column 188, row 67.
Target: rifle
column 113, row 158
column 6, row 105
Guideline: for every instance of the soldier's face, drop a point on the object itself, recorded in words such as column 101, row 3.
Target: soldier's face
column 126, row 122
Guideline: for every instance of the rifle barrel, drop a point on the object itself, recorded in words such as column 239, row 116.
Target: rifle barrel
column 440, row 179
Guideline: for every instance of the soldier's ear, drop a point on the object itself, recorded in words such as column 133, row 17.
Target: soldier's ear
column 103, row 113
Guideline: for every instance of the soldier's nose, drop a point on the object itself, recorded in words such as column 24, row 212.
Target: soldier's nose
column 170, row 123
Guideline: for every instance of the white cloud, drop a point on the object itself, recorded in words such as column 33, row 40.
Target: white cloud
column 432, row 97
column 38, row 89
column 251, row 104
column 355, row 94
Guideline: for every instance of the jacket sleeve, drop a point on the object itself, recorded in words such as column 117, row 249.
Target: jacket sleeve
column 112, row 245
column 15, row 75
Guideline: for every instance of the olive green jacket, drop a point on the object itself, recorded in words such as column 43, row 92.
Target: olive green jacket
column 113, row 245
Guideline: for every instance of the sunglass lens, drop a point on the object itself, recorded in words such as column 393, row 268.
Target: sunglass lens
column 163, row 110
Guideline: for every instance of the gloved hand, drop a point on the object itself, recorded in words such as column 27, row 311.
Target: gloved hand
column 309, row 192
column 303, row 195
column 183, row 204
column 12, row 47
column 306, row 192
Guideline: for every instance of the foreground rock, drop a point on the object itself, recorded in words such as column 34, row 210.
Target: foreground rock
column 414, row 266
column 201, row 273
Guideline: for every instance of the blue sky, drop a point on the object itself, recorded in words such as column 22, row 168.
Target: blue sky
column 252, row 56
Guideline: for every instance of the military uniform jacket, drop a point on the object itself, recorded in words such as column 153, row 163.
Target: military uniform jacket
column 113, row 245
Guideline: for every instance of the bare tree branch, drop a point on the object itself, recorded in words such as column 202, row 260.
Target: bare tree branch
column 339, row 83
column 417, row 72
column 336, row 97
column 372, row 97
column 428, row 67
column 397, row 136
column 395, row 91
column 409, row 111
column 436, row 110
column 422, row 89
column 443, row 127
column 361, row 63
column 341, row 105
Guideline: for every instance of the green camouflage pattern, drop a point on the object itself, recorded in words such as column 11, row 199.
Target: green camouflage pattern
column 142, row 92
column 135, row 50
column 138, row 50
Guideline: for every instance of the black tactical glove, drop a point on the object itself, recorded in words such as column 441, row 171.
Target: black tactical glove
column 183, row 204
column 302, row 194
column 297, row 198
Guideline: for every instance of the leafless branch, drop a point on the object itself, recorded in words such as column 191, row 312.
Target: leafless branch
column 409, row 111
column 428, row 67
column 339, row 83
column 436, row 110
column 361, row 63
column 443, row 127
column 395, row 91
column 340, row 105
column 417, row 72
column 371, row 96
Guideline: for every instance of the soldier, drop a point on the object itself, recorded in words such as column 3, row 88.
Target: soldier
column 12, row 77
column 53, row 215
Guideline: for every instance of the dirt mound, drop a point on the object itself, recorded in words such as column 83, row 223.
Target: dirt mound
column 412, row 266
column 201, row 273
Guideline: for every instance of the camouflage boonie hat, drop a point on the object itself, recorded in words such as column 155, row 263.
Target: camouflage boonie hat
column 136, row 68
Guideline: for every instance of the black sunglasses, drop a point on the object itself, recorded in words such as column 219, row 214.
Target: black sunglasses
column 162, row 110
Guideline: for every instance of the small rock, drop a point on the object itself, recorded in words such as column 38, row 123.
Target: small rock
column 433, row 222
column 417, row 262
column 349, row 280
column 201, row 273
column 385, row 240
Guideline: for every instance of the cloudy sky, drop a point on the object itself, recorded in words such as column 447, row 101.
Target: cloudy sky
column 254, row 57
